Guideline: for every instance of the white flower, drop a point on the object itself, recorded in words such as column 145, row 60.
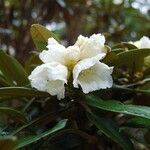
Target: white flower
column 80, row 61
column 144, row 42
column 58, row 53
column 92, row 46
column 50, row 77
column 92, row 75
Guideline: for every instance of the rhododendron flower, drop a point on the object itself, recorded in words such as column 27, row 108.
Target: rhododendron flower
column 144, row 42
column 80, row 61
column 50, row 77
column 92, row 75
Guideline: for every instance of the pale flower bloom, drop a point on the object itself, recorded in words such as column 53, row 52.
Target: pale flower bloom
column 92, row 46
column 92, row 75
column 144, row 42
column 50, row 77
column 80, row 60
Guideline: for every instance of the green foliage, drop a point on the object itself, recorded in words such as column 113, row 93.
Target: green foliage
column 12, row 70
column 16, row 92
column 31, row 115
column 110, row 129
column 34, row 138
column 115, row 106
column 40, row 36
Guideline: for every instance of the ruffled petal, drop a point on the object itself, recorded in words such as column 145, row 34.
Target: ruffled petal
column 92, row 75
column 50, row 78
column 144, row 42
column 55, row 53
column 92, row 46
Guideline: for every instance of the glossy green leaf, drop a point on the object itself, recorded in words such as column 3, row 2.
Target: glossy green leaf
column 8, row 143
column 137, row 122
column 110, row 129
column 3, row 82
column 33, row 138
column 40, row 36
column 12, row 70
column 14, row 114
column 116, row 106
column 133, row 59
column 147, row 61
column 124, row 45
column 144, row 89
column 32, row 62
column 16, row 92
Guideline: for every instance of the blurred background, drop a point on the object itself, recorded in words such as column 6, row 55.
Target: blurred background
column 119, row 20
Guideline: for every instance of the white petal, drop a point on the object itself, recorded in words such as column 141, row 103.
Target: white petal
column 92, row 46
column 144, row 42
column 50, row 78
column 56, row 87
column 73, row 53
column 92, row 75
column 72, row 56
column 55, row 53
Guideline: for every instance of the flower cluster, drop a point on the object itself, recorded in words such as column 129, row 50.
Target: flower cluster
column 144, row 42
column 80, row 62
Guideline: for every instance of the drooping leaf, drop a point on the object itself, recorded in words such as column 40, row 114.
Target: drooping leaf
column 137, row 122
column 110, row 129
column 17, row 92
column 144, row 89
column 14, row 114
column 8, row 143
column 12, row 70
column 41, row 120
column 32, row 62
column 124, row 45
column 3, row 82
column 34, row 138
column 40, row 36
column 116, row 106
column 133, row 59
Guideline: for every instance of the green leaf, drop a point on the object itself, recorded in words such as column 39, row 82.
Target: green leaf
column 133, row 59
column 3, row 82
column 8, row 143
column 137, row 122
column 12, row 70
column 14, row 114
column 147, row 61
column 110, row 129
column 116, row 106
column 31, row 139
column 144, row 89
column 40, row 36
column 16, row 92
column 32, row 62
column 124, row 45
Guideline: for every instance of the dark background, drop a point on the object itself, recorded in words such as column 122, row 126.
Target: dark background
column 119, row 20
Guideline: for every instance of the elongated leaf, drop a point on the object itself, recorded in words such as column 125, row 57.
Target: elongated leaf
column 12, row 70
column 3, row 82
column 133, row 59
column 115, row 106
column 42, row 120
column 16, row 92
column 14, row 114
column 137, row 122
column 110, row 129
column 40, row 36
column 8, row 143
column 124, row 45
column 140, row 89
column 32, row 62
column 31, row 139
